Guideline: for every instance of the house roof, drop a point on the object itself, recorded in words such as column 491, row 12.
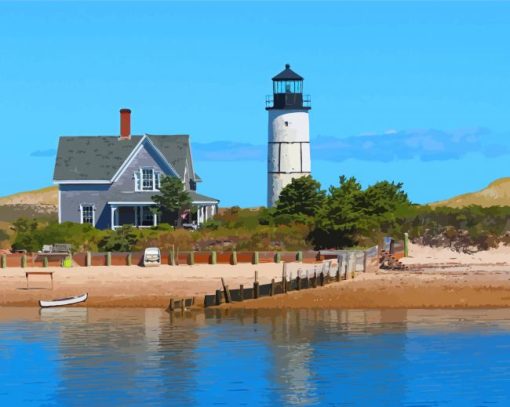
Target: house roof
column 87, row 158
column 287, row 75
column 196, row 197
column 146, row 196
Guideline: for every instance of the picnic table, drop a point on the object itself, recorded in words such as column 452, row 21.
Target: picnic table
column 39, row 273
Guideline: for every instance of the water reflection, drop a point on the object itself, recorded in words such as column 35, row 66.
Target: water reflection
column 81, row 356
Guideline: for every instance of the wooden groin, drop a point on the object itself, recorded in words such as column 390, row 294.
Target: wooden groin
column 303, row 281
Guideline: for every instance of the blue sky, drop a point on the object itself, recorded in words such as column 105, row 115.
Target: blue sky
column 417, row 92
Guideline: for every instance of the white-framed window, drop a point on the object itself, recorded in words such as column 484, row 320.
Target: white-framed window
column 87, row 214
column 147, row 179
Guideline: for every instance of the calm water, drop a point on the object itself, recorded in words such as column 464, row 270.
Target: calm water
column 124, row 357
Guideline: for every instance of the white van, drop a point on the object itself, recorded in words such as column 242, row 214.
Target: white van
column 152, row 257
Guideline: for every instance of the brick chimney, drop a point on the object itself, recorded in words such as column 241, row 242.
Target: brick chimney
column 125, row 124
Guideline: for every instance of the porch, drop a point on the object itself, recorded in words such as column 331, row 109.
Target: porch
column 141, row 215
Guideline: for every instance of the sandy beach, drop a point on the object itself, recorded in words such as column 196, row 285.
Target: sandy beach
column 437, row 278
column 129, row 286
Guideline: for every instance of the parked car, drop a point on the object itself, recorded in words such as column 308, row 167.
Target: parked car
column 152, row 257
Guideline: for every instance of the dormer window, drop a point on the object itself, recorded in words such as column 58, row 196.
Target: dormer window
column 146, row 179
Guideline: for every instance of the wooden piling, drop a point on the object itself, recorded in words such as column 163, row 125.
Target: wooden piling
column 271, row 293
column 321, row 279
column 298, row 282
column 218, row 297
column 108, row 258
column 3, row 261
column 88, row 259
column 228, row 299
column 256, row 291
column 241, row 292
column 233, row 258
column 284, row 278
column 213, row 258
column 314, row 280
column 45, row 261
column 24, row 260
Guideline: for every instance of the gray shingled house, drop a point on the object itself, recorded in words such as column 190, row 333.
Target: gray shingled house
column 108, row 181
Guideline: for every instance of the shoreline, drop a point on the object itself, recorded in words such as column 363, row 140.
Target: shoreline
column 384, row 290
column 436, row 279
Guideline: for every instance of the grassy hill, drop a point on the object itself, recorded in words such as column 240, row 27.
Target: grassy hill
column 44, row 196
column 41, row 204
column 495, row 194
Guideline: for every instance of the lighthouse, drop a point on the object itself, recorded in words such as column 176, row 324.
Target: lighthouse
column 289, row 133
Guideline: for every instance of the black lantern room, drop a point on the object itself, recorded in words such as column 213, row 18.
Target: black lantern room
column 288, row 91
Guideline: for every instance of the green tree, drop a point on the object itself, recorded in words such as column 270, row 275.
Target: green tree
column 338, row 220
column 173, row 199
column 121, row 240
column 24, row 225
column 26, row 231
column 300, row 200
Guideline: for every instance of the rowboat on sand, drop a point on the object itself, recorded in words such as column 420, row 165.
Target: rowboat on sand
column 60, row 302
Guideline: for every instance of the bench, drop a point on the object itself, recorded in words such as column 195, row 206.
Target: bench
column 39, row 273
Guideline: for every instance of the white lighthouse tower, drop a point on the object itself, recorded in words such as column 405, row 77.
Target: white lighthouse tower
column 289, row 134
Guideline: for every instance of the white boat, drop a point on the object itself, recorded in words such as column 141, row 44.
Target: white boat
column 60, row 302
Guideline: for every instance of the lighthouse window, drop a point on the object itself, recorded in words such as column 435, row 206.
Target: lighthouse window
column 286, row 124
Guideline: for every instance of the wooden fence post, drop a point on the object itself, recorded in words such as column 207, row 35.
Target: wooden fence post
column 321, row 279
column 191, row 258
column 346, row 271
column 277, row 257
column 88, row 259
column 129, row 259
column 284, row 278
column 256, row 291
column 337, row 275
column 233, row 258
column 228, row 299
column 314, row 280
column 109, row 258
column 255, row 259
column 298, row 280
column 406, row 244
column 241, row 292
column 3, row 262
column 218, row 297
column 213, row 257
column 45, row 261
column 271, row 293
column 24, row 260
